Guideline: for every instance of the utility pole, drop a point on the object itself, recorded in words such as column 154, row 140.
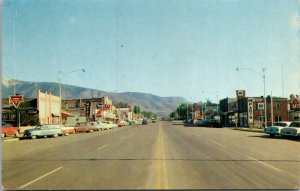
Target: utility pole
column 264, row 79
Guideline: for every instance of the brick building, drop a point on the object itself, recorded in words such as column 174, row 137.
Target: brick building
column 251, row 111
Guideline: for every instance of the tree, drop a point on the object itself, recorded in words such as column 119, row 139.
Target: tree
column 136, row 109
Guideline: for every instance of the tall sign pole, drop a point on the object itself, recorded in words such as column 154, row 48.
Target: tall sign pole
column 16, row 100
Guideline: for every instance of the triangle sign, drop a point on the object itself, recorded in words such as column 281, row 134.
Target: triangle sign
column 16, row 100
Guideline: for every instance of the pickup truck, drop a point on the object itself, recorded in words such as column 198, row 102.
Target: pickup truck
column 9, row 130
column 45, row 130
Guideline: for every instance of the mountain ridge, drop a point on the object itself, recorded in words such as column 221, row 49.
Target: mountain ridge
column 147, row 101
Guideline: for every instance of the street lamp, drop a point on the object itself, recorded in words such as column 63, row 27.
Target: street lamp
column 61, row 74
column 264, row 79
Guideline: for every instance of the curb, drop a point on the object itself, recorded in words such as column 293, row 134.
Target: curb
column 250, row 130
column 10, row 140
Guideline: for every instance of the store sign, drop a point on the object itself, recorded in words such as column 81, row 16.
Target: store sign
column 295, row 102
column 250, row 110
column 87, row 108
column 32, row 111
column 240, row 94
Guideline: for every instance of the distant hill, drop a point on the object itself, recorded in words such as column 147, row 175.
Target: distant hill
column 147, row 102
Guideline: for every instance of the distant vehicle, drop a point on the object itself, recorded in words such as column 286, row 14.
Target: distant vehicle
column 111, row 125
column 145, row 121
column 121, row 123
column 9, row 130
column 67, row 130
column 153, row 120
column 292, row 131
column 209, row 123
column 85, row 127
column 101, row 126
column 276, row 128
column 45, row 130
column 131, row 122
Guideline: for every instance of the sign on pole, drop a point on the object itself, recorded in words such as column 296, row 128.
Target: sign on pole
column 15, row 100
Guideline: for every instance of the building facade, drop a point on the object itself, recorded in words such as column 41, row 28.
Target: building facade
column 251, row 111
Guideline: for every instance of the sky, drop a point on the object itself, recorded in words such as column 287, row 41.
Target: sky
column 187, row 48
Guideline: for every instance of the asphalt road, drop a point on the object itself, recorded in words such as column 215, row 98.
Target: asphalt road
column 162, row 155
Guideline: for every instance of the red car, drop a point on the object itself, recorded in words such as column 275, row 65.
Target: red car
column 9, row 130
column 67, row 130
column 85, row 127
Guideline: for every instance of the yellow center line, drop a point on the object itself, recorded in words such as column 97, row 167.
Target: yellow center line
column 161, row 167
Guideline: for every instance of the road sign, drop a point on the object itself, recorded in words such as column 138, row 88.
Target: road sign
column 16, row 100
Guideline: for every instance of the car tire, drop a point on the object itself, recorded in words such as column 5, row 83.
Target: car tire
column 272, row 135
column 91, row 130
column 33, row 137
column 66, row 134
column 17, row 134
column 55, row 135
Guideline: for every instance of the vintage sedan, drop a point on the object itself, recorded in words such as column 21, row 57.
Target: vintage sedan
column 111, row 125
column 209, row 123
column 9, row 130
column 45, row 130
column 67, row 130
column 276, row 128
column 101, row 126
column 292, row 131
column 85, row 127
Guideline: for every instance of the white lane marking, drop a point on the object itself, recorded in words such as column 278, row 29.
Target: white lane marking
column 270, row 166
column 33, row 181
column 264, row 163
column 102, row 147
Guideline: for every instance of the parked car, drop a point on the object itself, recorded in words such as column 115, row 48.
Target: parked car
column 45, row 130
column 85, row 127
column 121, row 123
column 111, row 125
column 67, row 130
column 101, row 126
column 131, row 122
column 145, row 121
column 153, row 120
column 209, row 123
column 292, row 131
column 9, row 130
column 276, row 128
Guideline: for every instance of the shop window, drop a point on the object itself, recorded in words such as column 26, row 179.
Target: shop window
column 277, row 105
column 262, row 118
column 278, row 118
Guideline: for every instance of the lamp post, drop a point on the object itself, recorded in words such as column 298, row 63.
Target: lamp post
column 264, row 79
column 61, row 74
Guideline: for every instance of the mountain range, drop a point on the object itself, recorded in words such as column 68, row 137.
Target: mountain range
column 148, row 102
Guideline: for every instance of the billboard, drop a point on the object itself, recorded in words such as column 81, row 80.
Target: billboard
column 295, row 102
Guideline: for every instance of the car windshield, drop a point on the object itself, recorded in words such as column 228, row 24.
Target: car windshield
column 280, row 124
column 295, row 125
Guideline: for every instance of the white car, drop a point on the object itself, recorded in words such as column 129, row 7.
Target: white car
column 277, row 128
column 292, row 131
